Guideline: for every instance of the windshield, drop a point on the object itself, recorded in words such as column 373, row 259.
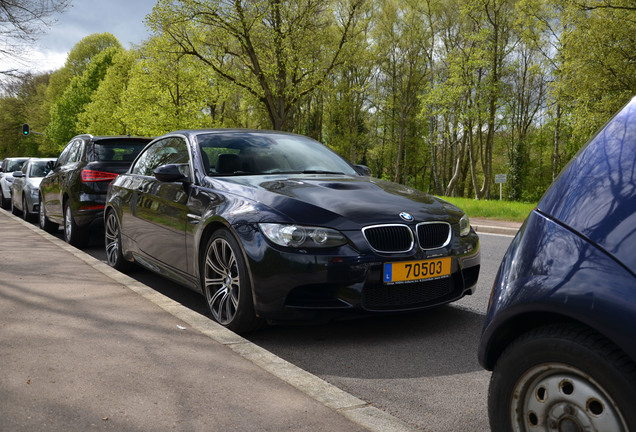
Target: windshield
column 38, row 168
column 245, row 153
column 14, row 165
column 117, row 151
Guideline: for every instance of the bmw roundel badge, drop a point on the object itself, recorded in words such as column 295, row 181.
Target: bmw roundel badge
column 406, row 216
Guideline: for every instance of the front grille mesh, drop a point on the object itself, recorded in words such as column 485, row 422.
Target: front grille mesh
column 389, row 238
column 433, row 235
column 387, row 297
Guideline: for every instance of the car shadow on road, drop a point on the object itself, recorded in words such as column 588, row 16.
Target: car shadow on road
column 436, row 342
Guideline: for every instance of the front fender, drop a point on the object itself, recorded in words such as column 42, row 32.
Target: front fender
column 551, row 271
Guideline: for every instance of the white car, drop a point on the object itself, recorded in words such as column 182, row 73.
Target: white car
column 9, row 166
column 25, row 196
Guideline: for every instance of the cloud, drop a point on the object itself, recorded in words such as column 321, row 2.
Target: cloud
column 122, row 18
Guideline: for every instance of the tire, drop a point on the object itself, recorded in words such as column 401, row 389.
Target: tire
column 4, row 203
column 562, row 377
column 112, row 241
column 14, row 209
column 73, row 234
column 226, row 285
column 28, row 217
column 44, row 222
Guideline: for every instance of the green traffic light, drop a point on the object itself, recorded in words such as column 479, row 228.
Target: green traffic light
column 25, row 129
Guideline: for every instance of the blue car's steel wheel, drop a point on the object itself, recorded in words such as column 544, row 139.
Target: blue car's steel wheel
column 561, row 379
column 560, row 397
column 226, row 283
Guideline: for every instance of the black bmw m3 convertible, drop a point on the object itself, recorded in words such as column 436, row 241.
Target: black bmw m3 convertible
column 275, row 226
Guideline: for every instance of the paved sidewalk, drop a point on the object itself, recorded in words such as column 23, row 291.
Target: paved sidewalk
column 84, row 347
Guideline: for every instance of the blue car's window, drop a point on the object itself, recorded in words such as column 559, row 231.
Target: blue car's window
column 236, row 153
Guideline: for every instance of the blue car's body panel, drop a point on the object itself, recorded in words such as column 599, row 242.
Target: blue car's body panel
column 574, row 259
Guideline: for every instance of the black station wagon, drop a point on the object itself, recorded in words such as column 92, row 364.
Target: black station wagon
column 74, row 192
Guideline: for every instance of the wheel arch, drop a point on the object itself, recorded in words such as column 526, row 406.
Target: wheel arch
column 24, row 200
column 514, row 327
column 208, row 231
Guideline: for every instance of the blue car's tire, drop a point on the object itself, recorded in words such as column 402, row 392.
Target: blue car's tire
column 562, row 377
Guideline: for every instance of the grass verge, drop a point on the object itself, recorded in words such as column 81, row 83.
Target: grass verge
column 493, row 209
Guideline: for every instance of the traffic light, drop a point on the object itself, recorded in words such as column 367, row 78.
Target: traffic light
column 25, row 129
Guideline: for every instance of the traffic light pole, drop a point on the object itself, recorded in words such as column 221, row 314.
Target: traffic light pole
column 26, row 130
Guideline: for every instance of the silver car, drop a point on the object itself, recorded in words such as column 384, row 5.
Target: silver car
column 9, row 166
column 25, row 196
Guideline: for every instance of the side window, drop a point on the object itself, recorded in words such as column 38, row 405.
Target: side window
column 71, row 153
column 172, row 150
column 63, row 158
column 76, row 152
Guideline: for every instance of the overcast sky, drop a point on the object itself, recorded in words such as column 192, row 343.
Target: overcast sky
column 122, row 18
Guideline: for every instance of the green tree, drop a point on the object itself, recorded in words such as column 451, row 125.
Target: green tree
column 168, row 91
column 77, row 60
column 278, row 51
column 21, row 96
column 21, row 23
column 103, row 114
column 344, row 98
column 599, row 63
column 404, row 43
column 67, row 109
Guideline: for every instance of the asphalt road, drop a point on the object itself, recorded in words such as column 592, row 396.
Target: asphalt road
column 421, row 368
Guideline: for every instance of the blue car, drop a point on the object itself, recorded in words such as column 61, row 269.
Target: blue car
column 560, row 332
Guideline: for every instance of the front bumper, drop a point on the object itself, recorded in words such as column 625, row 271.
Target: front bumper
column 292, row 285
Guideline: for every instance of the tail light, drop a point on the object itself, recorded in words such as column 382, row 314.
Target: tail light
column 97, row 176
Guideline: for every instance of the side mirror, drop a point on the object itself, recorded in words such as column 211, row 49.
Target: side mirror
column 170, row 173
column 363, row 170
column 18, row 174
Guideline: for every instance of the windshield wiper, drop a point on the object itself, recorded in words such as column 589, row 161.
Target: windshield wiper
column 313, row 172
column 233, row 173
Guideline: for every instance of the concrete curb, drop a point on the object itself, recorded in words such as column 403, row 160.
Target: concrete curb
column 489, row 229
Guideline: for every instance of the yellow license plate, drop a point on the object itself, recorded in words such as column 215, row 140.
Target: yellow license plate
column 409, row 271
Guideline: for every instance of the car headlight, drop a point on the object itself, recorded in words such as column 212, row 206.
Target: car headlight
column 464, row 226
column 289, row 235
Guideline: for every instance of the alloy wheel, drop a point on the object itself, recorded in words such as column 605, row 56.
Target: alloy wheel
column 42, row 215
column 112, row 239
column 25, row 210
column 222, row 281
column 68, row 224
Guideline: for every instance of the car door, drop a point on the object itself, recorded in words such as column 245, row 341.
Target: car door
column 18, row 186
column 52, row 185
column 158, row 211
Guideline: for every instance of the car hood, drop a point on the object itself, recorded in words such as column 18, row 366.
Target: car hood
column 34, row 182
column 595, row 194
column 345, row 202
